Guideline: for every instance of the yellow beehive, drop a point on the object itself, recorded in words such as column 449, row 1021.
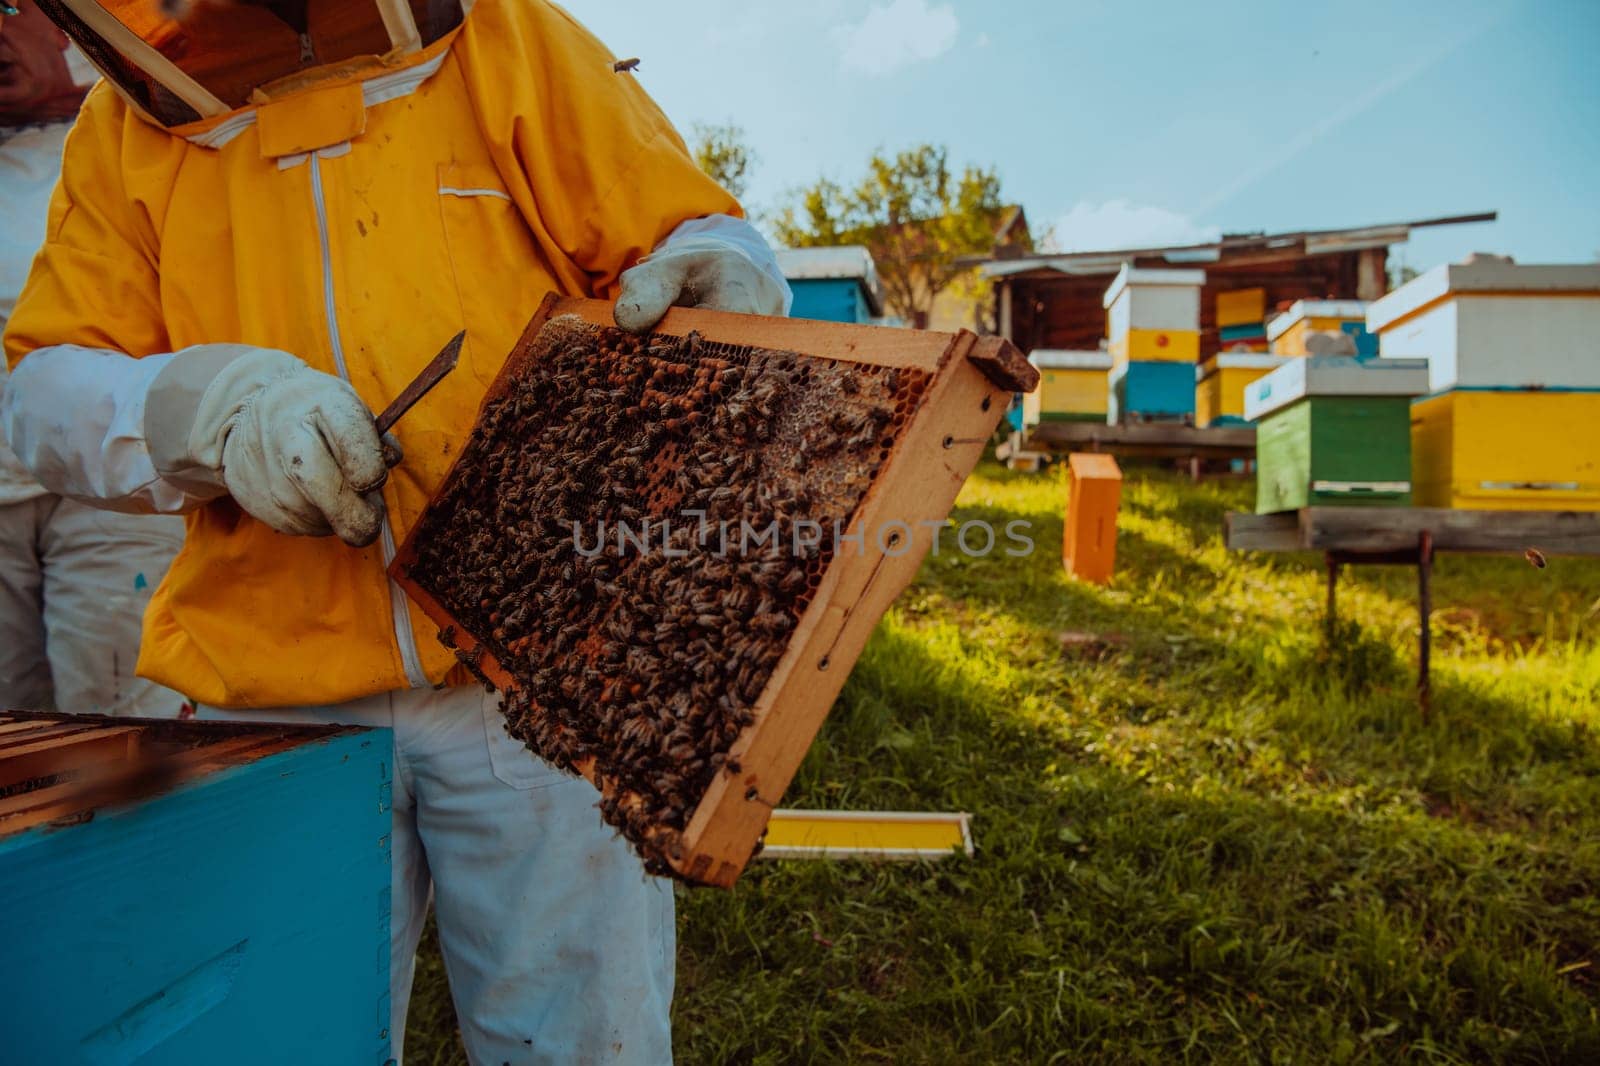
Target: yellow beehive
column 1241, row 307
column 1287, row 333
column 1507, row 450
column 1153, row 316
column 1220, row 383
column 1072, row 387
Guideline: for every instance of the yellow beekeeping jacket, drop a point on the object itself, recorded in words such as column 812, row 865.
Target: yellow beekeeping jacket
column 500, row 163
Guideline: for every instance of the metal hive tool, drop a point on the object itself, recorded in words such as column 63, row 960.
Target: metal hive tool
column 647, row 544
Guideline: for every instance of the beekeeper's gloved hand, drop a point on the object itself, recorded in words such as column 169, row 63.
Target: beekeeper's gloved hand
column 697, row 271
column 293, row 446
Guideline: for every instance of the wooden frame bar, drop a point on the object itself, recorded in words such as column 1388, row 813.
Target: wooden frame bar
column 1153, row 440
column 73, row 750
column 1376, row 531
column 85, row 762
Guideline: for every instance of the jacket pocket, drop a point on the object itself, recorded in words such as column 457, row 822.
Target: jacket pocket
column 498, row 271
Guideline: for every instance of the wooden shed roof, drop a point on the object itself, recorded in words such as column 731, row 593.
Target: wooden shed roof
column 1233, row 247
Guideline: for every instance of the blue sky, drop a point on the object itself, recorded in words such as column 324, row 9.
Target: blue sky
column 1146, row 122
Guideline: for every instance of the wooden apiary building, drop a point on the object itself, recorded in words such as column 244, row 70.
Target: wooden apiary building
column 1290, row 333
column 1055, row 300
column 1073, row 387
column 1220, row 384
column 1513, row 422
column 1334, row 430
column 193, row 893
column 832, row 284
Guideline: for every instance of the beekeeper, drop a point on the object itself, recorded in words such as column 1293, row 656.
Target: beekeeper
column 74, row 580
column 270, row 219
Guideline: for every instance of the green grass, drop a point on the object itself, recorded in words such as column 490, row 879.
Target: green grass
column 1222, row 841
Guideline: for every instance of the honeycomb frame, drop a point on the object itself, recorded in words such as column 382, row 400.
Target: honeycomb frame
column 934, row 438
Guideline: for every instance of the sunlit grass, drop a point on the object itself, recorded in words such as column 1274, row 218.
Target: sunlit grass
column 1224, row 839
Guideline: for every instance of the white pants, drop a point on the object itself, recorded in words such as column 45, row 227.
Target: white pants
column 559, row 948
column 74, row 582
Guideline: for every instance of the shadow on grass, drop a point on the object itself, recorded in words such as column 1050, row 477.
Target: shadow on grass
column 1109, row 919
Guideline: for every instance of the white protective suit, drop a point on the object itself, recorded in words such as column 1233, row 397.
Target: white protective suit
column 559, row 947
column 74, row 580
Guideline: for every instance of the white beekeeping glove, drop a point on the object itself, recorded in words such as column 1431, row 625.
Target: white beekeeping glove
column 699, row 271
column 293, row 446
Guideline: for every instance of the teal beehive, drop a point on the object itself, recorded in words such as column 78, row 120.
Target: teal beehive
column 832, row 284
column 187, row 893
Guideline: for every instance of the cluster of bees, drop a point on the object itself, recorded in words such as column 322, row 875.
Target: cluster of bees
column 595, row 538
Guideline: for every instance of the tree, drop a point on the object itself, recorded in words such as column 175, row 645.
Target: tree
column 922, row 223
column 723, row 153
column 1400, row 273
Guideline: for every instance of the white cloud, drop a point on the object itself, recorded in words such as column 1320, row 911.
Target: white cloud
column 1122, row 224
column 983, row 41
column 896, row 35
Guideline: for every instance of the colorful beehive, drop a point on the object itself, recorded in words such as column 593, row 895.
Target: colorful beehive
column 1089, row 537
column 1073, row 387
column 1507, row 450
column 1241, row 316
column 1334, row 430
column 1240, row 307
column 1497, row 325
column 180, row 892
column 1154, row 315
column 1514, row 366
column 832, row 284
column 1016, row 410
column 1151, row 392
column 1220, row 384
column 1289, row 332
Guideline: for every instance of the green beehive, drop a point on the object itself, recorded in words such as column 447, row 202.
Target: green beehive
column 1333, row 430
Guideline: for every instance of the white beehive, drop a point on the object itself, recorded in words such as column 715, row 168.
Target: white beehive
column 1496, row 325
column 1154, row 314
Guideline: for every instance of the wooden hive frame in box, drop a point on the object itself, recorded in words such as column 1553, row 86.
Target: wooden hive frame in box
column 963, row 384
column 57, row 767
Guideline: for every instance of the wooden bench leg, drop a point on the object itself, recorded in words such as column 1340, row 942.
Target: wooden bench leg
column 1425, row 607
column 1332, row 616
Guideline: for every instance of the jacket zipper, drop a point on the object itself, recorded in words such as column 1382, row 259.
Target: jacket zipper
column 404, row 637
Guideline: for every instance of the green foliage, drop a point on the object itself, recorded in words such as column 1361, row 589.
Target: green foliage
column 1222, row 839
column 917, row 217
column 723, row 153
column 1400, row 273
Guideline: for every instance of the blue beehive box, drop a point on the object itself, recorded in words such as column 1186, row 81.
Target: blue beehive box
column 832, row 284
column 1151, row 392
column 183, row 893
